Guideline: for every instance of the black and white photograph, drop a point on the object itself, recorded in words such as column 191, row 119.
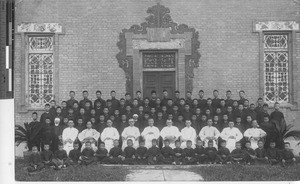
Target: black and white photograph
column 149, row 90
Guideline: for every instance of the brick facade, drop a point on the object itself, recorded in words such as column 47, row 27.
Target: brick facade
column 87, row 50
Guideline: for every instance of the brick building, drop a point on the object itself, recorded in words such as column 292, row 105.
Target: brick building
column 143, row 45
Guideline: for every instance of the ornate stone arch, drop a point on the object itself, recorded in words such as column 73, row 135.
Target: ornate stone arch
column 159, row 21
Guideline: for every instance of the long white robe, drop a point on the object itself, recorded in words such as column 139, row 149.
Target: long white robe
column 89, row 133
column 150, row 133
column 108, row 136
column 254, row 132
column 170, row 131
column 228, row 132
column 132, row 133
column 69, row 133
column 188, row 133
column 209, row 131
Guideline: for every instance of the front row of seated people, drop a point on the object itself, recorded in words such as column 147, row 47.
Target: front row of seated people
column 167, row 155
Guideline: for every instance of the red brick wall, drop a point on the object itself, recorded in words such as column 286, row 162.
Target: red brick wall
column 229, row 47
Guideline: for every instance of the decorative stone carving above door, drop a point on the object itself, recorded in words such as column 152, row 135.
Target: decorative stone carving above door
column 159, row 32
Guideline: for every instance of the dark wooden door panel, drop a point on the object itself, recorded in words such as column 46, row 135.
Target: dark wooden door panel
column 159, row 81
column 167, row 82
column 167, row 77
column 150, row 83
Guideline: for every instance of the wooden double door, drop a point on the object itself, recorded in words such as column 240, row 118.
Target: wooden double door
column 159, row 81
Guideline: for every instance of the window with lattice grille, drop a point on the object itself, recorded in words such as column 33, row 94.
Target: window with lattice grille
column 159, row 60
column 276, row 67
column 40, row 70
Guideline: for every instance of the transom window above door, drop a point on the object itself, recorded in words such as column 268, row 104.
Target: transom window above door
column 159, row 60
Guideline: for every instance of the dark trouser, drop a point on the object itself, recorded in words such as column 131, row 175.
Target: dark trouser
column 237, row 158
column 101, row 158
column 73, row 162
column 211, row 158
column 273, row 161
column 201, row 158
column 248, row 159
column 39, row 167
column 58, row 162
column 177, row 160
column 151, row 160
column 222, row 160
column 163, row 160
column 49, row 164
column 141, row 161
column 120, row 142
column 160, row 143
column 187, row 161
column 129, row 161
column 87, row 160
column 54, row 145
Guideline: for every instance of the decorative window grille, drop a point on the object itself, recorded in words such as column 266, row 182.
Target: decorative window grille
column 276, row 69
column 159, row 60
column 40, row 60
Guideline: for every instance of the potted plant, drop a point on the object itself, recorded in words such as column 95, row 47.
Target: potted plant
column 25, row 137
column 282, row 132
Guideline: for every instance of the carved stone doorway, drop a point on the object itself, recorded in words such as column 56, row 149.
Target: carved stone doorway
column 159, row 33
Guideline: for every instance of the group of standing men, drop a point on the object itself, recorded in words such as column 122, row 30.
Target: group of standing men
column 154, row 118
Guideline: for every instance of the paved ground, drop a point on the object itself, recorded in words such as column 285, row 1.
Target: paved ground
column 161, row 173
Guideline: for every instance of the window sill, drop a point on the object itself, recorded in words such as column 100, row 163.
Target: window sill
column 26, row 109
column 283, row 105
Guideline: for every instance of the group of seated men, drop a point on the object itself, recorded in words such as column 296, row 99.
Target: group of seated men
column 156, row 131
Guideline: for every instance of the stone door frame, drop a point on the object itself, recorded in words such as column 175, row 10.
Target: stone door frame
column 159, row 32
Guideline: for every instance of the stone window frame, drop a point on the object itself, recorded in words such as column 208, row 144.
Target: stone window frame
column 28, row 52
column 287, row 27
column 37, row 29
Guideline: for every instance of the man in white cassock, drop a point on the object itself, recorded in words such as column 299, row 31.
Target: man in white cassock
column 170, row 132
column 149, row 133
column 231, row 135
column 89, row 135
column 109, row 134
column 209, row 132
column 254, row 134
column 188, row 133
column 69, row 135
column 130, row 132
